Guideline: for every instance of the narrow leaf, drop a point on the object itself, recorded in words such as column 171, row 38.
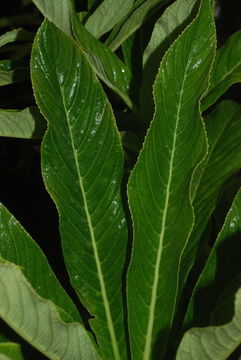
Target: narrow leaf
column 98, row 23
column 135, row 20
column 105, row 63
column 17, row 246
column 159, row 185
column 37, row 321
column 215, row 278
column 173, row 21
column 25, row 124
column 214, row 343
column 13, row 71
column 59, row 12
column 223, row 127
column 11, row 350
column 226, row 70
column 15, row 35
column 82, row 164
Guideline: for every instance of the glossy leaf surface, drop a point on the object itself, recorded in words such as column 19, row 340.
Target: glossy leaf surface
column 37, row 320
column 223, row 127
column 160, row 183
column 59, row 12
column 222, row 267
column 105, row 63
column 98, row 23
column 25, row 124
column 226, row 70
column 82, row 164
column 174, row 19
column 214, row 343
column 17, row 246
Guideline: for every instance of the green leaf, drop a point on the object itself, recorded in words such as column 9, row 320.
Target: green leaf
column 82, row 165
column 173, row 21
column 160, row 182
column 226, row 70
column 134, row 21
column 16, row 35
column 223, row 127
column 17, row 246
column 221, row 268
column 59, row 12
column 37, row 321
column 11, row 350
column 105, row 63
column 98, row 23
column 25, row 124
column 214, row 343
column 13, row 71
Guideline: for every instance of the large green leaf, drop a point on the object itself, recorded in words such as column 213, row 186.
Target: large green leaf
column 99, row 23
column 13, row 71
column 59, row 12
column 160, row 182
column 82, row 164
column 226, row 70
column 17, row 246
column 37, row 321
column 105, row 63
column 223, row 127
column 222, row 267
column 174, row 19
column 26, row 124
column 133, row 22
column 12, row 350
column 213, row 343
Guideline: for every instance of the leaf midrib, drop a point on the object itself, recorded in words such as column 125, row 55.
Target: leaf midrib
column 148, row 343
column 92, row 235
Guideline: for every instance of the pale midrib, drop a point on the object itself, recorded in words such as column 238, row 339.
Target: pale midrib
column 148, row 343
column 93, row 241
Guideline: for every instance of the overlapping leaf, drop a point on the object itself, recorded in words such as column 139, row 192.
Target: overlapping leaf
column 17, row 246
column 59, row 12
column 26, row 124
column 98, row 23
column 10, row 349
column 106, row 64
column 159, row 185
column 223, row 127
column 174, row 19
column 226, row 70
column 15, row 35
column 222, row 267
column 13, row 71
column 82, row 164
column 37, row 320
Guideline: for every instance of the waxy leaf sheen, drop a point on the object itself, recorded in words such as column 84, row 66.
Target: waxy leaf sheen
column 159, row 185
column 82, row 166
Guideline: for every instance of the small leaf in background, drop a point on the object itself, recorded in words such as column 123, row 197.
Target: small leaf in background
column 11, row 350
column 105, row 63
column 13, row 71
column 159, row 186
column 82, row 166
column 226, row 70
column 37, row 321
column 16, row 35
column 173, row 21
column 59, row 12
column 98, row 23
column 213, row 343
column 223, row 127
column 17, row 246
column 134, row 22
column 220, row 270
column 25, row 124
